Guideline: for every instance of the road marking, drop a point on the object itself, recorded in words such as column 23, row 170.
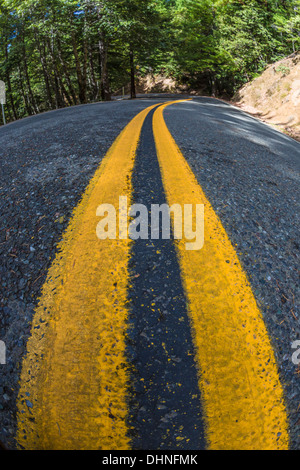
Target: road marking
column 238, row 377
column 165, row 405
column 74, row 379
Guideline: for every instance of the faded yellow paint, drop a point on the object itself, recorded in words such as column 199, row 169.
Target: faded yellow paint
column 238, row 377
column 74, row 378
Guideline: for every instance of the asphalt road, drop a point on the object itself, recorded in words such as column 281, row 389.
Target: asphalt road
column 249, row 173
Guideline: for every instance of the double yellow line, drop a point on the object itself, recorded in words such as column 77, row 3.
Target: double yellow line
column 74, row 379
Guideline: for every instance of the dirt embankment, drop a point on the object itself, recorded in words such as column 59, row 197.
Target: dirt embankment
column 160, row 83
column 274, row 96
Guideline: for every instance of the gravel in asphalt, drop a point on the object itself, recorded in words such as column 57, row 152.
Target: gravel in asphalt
column 249, row 172
column 47, row 162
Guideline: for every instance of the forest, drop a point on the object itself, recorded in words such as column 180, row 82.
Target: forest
column 59, row 53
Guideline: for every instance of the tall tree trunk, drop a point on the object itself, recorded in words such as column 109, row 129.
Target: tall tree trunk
column 132, row 75
column 213, row 84
column 9, row 88
column 66, row 72
column 104, row 81
column 58, row 95
column 11, row 98
column 85, row 59
column 64, row 91
column 93, row 81
column 24, row 95
column 25, row 64
column 81, row 76
column 42, row 53
column 84, row 69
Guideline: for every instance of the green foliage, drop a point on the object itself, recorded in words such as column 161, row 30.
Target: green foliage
column 283, row 69
column 56, row 53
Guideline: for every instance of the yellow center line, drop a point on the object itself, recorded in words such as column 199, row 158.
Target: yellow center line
column 238, row 377
column 74, row 380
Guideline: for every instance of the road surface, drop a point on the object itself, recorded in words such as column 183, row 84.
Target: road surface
column 144, row 344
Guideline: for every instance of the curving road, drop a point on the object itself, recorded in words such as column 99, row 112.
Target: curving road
column 182, row 366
